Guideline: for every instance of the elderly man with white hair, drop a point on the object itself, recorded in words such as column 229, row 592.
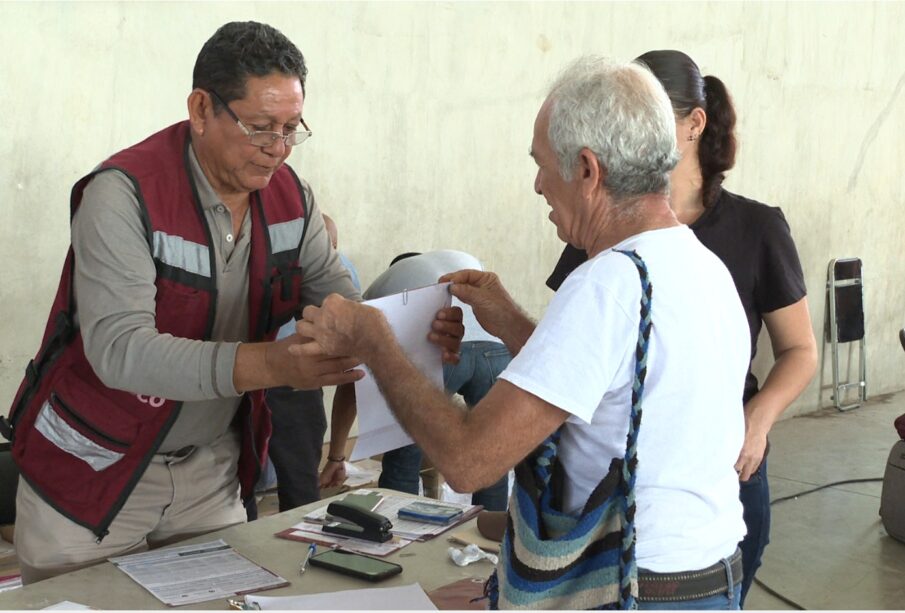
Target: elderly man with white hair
column 622, row 406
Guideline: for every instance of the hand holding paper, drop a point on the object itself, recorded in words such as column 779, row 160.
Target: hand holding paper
column 275, row 363
column 343, row 327
column 492, row 305
column 396, row 326
column 447, row 331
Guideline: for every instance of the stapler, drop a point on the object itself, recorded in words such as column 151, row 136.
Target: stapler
column 359, row 523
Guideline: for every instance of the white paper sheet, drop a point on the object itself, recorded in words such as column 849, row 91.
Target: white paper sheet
column 361, row 473
column 410, row 315
column 403, row 598
column 196, row 573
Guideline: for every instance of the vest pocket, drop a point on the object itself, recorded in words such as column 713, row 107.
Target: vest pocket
column 58, row 431
column 79, row 420
column 181, row 310
column 82, row 424
column 285, row 296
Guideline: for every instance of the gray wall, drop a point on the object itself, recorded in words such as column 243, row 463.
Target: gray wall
column 422, row 115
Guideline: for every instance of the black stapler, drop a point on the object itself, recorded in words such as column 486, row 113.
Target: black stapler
column 358, row 523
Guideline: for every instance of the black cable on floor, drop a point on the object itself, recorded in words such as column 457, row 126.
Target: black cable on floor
column 823, row 487
column 763, row 585
column 779, row 596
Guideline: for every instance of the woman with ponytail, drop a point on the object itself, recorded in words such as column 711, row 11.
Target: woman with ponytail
column 754, row 242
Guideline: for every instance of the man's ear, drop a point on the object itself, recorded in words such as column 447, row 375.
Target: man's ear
column 590, row 171
column 200, row 110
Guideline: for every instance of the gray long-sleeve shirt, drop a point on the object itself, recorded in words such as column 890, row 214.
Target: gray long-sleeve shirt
column 115, row 303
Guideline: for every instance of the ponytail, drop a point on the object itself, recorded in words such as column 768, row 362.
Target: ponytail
column 716, row 151
column 687, row 90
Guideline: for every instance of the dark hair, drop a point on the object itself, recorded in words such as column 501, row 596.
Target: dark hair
column 403, row 256
column 243, row 49
column 688, row 90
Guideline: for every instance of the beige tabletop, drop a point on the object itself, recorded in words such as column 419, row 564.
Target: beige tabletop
column 105, row 587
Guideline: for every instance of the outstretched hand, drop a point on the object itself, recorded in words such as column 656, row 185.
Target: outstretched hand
column 313, row 368
column 345, row 327
column 341, row 327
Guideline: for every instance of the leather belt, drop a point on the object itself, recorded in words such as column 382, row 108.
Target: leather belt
column 689, row 585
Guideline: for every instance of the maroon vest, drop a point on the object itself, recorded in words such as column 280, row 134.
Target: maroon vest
column 82, row 445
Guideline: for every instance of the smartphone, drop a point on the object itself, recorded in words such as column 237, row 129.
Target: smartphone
column 355, row 565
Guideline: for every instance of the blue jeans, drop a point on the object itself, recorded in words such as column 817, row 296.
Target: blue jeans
column 480, row 363
column 728, row 601
column 755, row 496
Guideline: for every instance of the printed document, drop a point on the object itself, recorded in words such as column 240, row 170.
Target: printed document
column 196, row 573
column 410, row 315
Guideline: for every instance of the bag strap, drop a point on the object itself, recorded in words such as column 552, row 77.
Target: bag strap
column 630, row 460
column 547, row 452
column 540, row 465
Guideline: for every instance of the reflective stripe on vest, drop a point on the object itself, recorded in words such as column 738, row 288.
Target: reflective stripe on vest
column 67, row 438
column 287, row 235
column 177, row 252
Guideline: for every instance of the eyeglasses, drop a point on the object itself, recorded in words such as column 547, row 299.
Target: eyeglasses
column 260, row 138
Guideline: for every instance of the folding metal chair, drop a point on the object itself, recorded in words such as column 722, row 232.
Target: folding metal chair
column 845, row 324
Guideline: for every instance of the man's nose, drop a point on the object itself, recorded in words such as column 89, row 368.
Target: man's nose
column 277, row 148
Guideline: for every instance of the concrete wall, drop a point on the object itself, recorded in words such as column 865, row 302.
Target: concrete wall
column 422, row 115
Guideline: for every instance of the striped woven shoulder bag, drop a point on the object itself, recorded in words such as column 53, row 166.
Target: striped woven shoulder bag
column 553, row 560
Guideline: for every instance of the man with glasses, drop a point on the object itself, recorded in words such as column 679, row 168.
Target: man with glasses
column 141, row 421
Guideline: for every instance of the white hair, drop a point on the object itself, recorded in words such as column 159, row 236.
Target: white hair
column 621, row 113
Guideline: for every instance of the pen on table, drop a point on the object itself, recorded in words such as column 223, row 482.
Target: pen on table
column 303, row 566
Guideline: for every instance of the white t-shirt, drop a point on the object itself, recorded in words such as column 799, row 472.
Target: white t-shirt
column 424, row 269
column 581, row 359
